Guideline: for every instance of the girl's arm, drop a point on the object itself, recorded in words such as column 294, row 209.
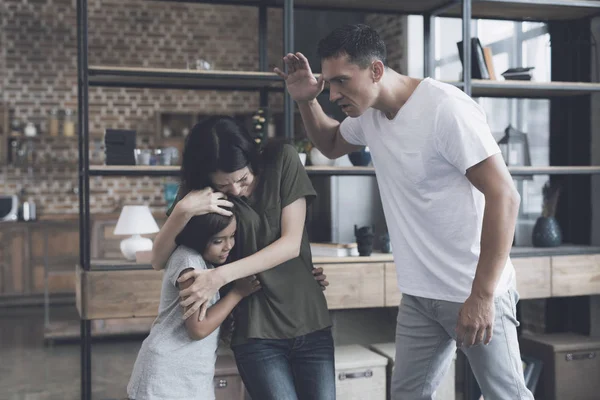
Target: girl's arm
column 198, row 330
column 283, row 249
column 197, row 202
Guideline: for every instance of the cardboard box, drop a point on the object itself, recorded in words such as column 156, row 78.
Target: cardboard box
column 360, row 373
column 571, row 365
column 446, row 390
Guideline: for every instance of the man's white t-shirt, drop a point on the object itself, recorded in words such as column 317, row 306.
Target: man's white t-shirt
column 434, row 214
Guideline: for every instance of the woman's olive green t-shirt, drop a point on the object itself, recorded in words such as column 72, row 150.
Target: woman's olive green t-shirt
column 291, row 303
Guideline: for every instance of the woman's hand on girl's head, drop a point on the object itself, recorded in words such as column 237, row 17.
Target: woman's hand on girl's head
column 200, row 202
column 206, row 284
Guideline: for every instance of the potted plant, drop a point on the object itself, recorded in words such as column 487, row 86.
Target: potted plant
column 546, row 231
column 302, row 146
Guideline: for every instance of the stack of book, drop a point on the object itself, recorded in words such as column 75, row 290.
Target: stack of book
column 520, row 74
column 334, row 249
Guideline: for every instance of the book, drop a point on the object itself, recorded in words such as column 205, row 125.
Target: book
column 334, row 249
column 489, row 62
column 479, row 68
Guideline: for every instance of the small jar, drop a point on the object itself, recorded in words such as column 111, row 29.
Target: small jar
column 69, row 124
column 53, row 122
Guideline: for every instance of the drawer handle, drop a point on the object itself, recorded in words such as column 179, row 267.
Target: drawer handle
column 355, row 375
column 580, row 356
column 221, row 383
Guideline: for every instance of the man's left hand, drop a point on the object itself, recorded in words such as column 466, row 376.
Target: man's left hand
column 475, row 321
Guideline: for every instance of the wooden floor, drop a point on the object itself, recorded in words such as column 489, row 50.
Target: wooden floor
column 33, row 370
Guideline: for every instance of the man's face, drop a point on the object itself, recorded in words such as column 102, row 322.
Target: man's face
column 350, row 87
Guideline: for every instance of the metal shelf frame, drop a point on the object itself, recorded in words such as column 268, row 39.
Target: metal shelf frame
column 533, row 10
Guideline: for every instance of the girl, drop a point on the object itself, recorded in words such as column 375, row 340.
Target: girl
column 282, row 338
column 177, row 359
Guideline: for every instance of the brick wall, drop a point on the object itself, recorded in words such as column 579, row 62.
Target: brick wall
column 39, row 73
column 391, row 29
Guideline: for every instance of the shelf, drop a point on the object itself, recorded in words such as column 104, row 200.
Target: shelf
column 563, row 250
column 319, row 170
column 396, row 6
column 576, row 170
column 534, row 10
column 528, row 89
column 123, row 170
column 248, row 80
column 527, row 10
column 164, row 78
column 134, row 170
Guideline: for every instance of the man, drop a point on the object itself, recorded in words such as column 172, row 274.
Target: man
column 449, row 202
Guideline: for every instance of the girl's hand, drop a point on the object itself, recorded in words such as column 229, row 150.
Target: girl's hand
column 207, row 283
column 246, row 286
column 199, row 202
column 320, row 277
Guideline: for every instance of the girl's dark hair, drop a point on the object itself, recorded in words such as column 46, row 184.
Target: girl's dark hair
column 217, row 144
column 360, row 42
column 196, row 235
column 200, row 229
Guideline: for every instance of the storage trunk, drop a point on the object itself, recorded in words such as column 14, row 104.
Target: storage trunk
column 227, row 381
column 360, row 373
column 571, row 366
column 446, row 390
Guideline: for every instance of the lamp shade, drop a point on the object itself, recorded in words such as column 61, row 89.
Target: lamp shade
column 135, row 220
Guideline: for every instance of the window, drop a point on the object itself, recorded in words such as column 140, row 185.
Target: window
column 513, row 44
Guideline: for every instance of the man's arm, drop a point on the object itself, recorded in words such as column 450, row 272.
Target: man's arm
column 491, row 177
column 476, row 317
column 323, row 131
column 304, row 88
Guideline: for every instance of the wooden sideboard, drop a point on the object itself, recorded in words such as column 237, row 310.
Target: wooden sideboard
column 45, row 252
column 124, row 290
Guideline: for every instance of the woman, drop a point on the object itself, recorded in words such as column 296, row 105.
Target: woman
column 163, row 368
column 282, row 339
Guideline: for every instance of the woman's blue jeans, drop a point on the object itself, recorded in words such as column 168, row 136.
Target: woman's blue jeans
column 301, row 368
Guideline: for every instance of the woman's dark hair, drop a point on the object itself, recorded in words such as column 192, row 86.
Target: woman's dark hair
column 200, row 229
column 360, row 42
column 216, row 144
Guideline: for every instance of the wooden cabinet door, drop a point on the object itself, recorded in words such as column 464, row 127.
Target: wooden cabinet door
column 534, row 277
column 354, row 285
column 576, row 275
column 392, row 293
column 14, row 272
column 61, row 241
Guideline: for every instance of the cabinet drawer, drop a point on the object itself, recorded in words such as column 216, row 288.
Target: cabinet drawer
column 534, row 277
column 392, row 293
column 575, row 275
column 354, row 285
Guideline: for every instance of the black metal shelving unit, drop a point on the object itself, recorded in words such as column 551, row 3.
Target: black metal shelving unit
column 265, row 81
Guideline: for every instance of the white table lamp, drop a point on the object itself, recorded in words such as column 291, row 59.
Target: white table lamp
column 135, row 221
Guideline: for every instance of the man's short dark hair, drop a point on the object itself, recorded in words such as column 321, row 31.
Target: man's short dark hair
column 360, row 42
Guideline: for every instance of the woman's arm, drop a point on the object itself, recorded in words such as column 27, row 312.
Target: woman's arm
column 197, row 202
column 283, row 249
column 216, row 314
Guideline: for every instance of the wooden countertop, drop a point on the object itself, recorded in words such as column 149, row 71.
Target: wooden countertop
column 516, row 252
